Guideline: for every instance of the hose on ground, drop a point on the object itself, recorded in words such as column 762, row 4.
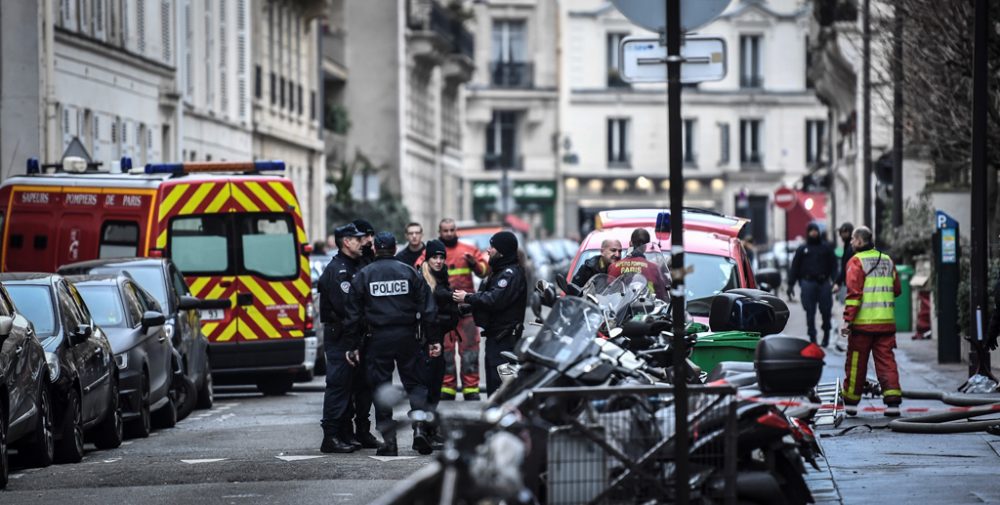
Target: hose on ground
column 982, row 405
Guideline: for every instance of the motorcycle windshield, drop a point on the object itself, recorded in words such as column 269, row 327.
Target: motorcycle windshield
column 567, row 333
column 625, row 290
column 653, row 265
column 596, row 285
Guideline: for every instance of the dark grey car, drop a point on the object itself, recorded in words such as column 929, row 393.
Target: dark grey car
column 159, row 276
column 25, row 403
column 134, row 324
column 82, row 370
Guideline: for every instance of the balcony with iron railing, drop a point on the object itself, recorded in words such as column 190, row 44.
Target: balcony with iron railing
column 512, row 74
column 430, row 17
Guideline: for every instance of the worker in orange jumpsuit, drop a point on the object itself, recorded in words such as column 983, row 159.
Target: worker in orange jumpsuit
column 870, row 323
column 636, row 263
column 463, row 261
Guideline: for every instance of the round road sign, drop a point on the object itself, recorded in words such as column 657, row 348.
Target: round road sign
column 784, row 198
column 652, row 14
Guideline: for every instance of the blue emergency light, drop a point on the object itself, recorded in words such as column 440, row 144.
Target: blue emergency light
column 34, row 167
column 215, row 166
column 125, row 164
column 663, row 222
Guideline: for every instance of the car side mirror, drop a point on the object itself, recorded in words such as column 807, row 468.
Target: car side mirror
column 81, row 334
column 152, row 319
column 6, row 325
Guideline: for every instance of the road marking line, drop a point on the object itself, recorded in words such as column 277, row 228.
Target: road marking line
column 298, row 458
column 129, row 442
column 199, row 461
column 227, row 416
column 391, row 458
column 112, row 460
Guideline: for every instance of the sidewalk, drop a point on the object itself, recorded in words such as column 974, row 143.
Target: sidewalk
column 869, row 465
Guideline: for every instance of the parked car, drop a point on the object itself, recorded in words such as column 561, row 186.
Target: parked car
column 135, row 326
column 82, row 370
column 159, row 276
column 25, row 403
column 317, row 263
column 540, row 261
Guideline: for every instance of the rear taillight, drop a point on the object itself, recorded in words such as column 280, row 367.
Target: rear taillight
column 309, row 316
column 813, row 351
column 156, row 253
column 773, row 420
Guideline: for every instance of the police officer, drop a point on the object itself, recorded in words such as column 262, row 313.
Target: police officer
column 334, row 286
column 813, row 268
column 499, row 305
column 367, row 252
column 394, row 299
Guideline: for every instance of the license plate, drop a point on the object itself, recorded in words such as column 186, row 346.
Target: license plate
column 212, row 314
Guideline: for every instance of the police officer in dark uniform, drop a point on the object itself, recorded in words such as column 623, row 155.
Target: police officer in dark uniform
column 813, row 268
column 499, row 305
column 395, row 300
column 367, row 251
column 334, row 286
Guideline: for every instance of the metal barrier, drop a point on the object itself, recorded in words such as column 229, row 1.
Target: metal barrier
column 616, row 446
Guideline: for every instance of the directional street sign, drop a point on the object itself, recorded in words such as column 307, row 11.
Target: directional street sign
column 643, row 59
column 652, row 14
column 784, row 198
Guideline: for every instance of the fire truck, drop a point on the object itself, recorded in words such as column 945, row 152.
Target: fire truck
column 234, row 232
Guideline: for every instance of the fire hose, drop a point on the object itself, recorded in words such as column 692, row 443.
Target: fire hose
column 975, row 405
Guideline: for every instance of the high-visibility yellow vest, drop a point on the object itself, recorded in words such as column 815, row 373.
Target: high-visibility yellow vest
column 878, row 298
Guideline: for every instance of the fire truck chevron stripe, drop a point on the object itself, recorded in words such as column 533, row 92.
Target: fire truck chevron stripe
column 258, row 292
column 206, row 201
column 246, row 332
column 209, row 328
column 302, row 287
column 242, row 199
column 284, row 293
column 227, row 332
column 196, row 198
column 266, row 198
column 267, row 329
column 171, row 199
column 283, row 193
column 220, row 199
column 199, row 285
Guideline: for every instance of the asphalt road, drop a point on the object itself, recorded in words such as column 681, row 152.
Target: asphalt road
column 247, row 449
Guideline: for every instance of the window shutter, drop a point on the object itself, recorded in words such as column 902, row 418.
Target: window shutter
column 165, row 27
column 140, row 24
column 241, row 56
column 223, row 60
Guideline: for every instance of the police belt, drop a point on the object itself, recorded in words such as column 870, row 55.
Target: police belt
column 510, row 331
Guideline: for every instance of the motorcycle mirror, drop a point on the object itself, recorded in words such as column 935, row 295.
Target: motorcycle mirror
column 509, row 355
column 549, row 296
column 536, row 306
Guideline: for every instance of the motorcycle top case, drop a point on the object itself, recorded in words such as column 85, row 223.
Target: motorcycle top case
column 740, row 312
column 781, row 312
column 782, row 367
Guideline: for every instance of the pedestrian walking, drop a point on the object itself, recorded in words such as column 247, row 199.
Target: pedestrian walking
column 611, row 251
column 334, row 286
column 845, row 231
column 394, row 299
column 435, row 274
column 367, row 251
column 813, row 267
column 636, row 263
column 499, row 305
column 869, row 322
column 463, row 261
column 414, row 245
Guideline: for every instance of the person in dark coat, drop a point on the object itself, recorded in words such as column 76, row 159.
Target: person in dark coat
column 611, row 251
column 813, row 267
column 435, row 273
column 995, row 319
column 845, row 231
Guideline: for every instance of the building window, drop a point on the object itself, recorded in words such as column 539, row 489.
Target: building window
column 188, row 57
column 751, row 75
column 299, row 101
column 223, row 60
column 614, row 72
column 501, row 141
column 618, row 131
column 281, row 92
column 209, row 53
column 809, row 81
column 723, row 144
column 750, row 143
column 508, row 67
column 690, row 156
column 815, row 131
column 312, row 105
column 140, row 26
column 274, row 89
column 257, row 82
column 241, row 58
column 165, row 17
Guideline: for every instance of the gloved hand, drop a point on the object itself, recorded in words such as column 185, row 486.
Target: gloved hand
column 992, row 342
column 845, row 331
column 353, row 358
column 791, row 292
column 470, row 259
column 434, row 350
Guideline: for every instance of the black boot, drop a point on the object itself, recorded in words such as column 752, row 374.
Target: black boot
column 333, row 444
column 388, row 448
column 437, row 440
column 421, row 441
column 826, row 338
column 367, row 440
column 347, row 436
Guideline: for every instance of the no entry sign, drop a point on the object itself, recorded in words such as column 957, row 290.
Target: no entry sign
column 784, row 198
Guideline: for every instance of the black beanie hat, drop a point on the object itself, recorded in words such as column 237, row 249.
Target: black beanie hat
column 433, row 248
column 812, row 226
column 505, row 242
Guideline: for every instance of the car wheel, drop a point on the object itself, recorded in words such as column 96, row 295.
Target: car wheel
column 166, row 416
column 140, row 428
column 274, row 386
column 186, row 395
column 110, row 432
column 206, row 397
column 4, row 466
column 69, row 448
column 40, row 448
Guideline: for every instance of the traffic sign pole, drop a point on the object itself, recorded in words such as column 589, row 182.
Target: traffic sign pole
column 674, row 59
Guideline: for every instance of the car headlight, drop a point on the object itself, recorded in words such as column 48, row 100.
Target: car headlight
column 121, row 360
column 53, row 361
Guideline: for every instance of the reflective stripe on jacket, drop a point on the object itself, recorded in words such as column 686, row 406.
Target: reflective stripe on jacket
column 872, row 288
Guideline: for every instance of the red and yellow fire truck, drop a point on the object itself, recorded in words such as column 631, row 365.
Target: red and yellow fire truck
column 234, row 232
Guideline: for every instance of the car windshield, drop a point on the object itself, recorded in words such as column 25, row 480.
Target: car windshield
column 568, row 330
column 104, row 304
column 35, row 302
column 150, row 278
column 711, row 275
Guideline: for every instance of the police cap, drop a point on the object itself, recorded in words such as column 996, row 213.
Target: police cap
column 347, row 230
column 385, row 240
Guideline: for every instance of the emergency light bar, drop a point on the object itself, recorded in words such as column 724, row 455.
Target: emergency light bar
column 73, row 164
column 663, row 222
column 214, row 166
